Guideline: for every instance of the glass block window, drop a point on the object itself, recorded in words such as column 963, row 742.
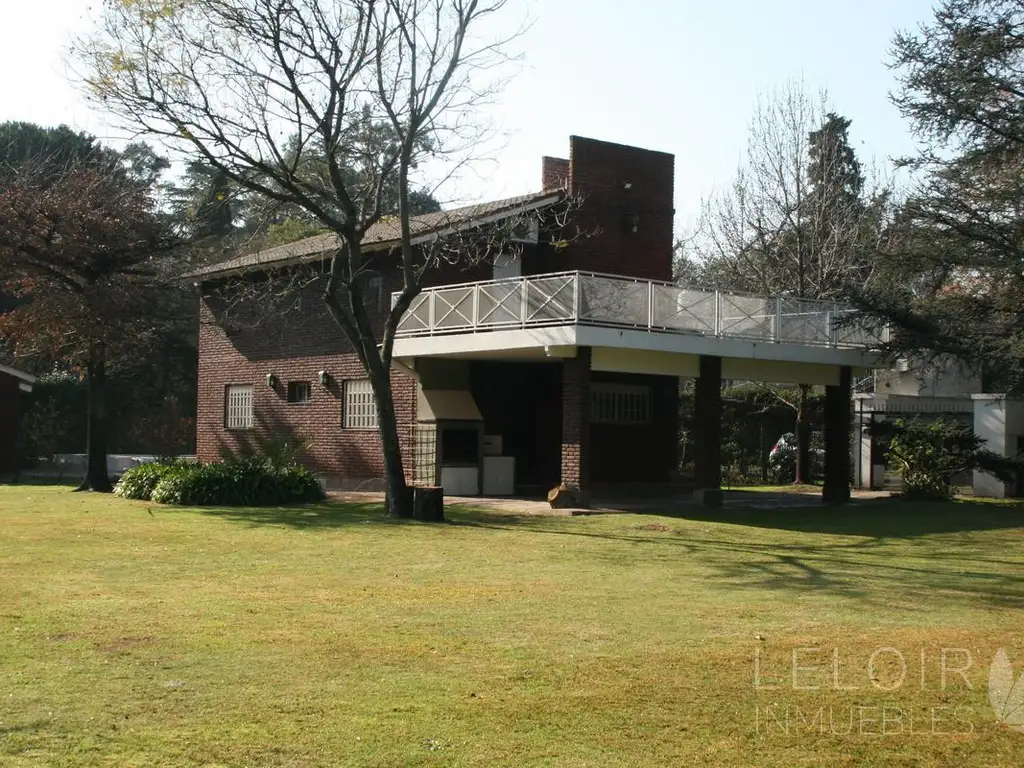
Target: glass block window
column 300, row 392
column 360, row 407
column 620, row 404
column 238, row 411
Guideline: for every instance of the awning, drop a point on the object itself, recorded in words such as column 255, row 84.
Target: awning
column 446, row 405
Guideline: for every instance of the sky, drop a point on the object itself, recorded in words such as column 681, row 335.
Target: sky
column 678, row 76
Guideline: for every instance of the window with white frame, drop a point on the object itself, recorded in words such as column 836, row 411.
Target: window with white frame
column 238, row 412
column 620, row 404
column 360, row 406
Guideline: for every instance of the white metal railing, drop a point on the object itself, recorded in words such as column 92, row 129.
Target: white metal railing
column 585, row 298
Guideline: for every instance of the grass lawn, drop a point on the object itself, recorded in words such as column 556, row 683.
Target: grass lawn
column 138, row 635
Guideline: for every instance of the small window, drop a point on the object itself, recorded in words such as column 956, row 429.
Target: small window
column 300, row 392
column 360, row 406
column 373, row 293
column 620, row 404
column 238, row 411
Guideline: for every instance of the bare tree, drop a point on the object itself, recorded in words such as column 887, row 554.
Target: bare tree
column 253, row 87
column 799, row 220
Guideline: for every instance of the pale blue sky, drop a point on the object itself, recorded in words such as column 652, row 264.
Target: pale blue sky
column 679, row 76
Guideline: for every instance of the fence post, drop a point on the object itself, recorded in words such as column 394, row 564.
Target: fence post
column 834, row 326
column 718, row 314
column 523, row 302
column 576, row 297
column 778, row 319
column 476, row 306
column 650, row 305
column 431, row 313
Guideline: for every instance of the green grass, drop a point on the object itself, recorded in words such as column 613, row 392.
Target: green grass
column 138, row 635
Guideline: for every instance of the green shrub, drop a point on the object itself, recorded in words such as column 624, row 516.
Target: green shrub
column 928, row 455
column 139, row 482
column 249, row 482
column 173, row 485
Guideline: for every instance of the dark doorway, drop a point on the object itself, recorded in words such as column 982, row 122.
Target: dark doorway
column 522, row 402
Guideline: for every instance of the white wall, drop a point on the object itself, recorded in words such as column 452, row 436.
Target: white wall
column 944, row 378
column 1000, row 423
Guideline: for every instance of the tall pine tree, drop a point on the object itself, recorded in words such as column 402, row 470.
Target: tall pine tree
column 954, row 281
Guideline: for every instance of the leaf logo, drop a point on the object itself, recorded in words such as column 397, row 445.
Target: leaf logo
column 1004, row 693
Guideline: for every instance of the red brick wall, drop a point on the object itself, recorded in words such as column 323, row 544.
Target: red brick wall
column 294, row 346
column 576, row 430
column 298, row 343
column 10, row 422
column 600, row 171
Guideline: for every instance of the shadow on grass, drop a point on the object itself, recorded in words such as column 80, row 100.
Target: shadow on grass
column 35, row 482
column 877, row 519
column 888, row 556
column 335, row 514
column 303, row 516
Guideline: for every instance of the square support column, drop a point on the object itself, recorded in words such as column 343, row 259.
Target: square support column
column 707, row 427
column 576, row 425
column 838, row 416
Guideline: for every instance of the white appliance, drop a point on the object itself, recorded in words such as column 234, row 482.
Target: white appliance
column 499, row 475
column 460, row 481
column 492, row 445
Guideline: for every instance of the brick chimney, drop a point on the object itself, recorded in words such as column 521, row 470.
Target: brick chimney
column 627, row 200
column 554, row 173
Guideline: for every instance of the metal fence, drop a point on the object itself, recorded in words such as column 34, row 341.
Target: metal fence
column 585, row 298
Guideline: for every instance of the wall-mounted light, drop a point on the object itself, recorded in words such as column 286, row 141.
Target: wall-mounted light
column 627, row 185
column 325, row 378
column 272, row 380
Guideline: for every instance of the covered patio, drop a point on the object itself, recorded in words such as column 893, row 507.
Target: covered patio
column 595, row 327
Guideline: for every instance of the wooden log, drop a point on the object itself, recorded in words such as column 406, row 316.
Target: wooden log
column 563, row 497
column 428, row 504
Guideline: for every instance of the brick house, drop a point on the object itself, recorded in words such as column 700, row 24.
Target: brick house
column 560, row 365
column 13, row 384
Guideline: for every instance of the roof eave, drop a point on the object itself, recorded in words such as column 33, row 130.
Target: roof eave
column 28, row 378
column 384, row 245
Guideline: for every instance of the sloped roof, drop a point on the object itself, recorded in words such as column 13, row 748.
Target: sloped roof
column 385, row 233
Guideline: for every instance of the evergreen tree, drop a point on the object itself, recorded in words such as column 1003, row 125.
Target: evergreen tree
column 954, row 281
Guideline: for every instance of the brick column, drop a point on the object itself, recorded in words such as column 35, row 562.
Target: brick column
column 576, row 424
column 707, row 427
column 838, row 415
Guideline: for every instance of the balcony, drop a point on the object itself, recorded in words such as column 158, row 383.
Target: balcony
column 609, row 301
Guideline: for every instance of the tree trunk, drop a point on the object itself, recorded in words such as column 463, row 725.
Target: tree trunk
column 96, row 477
column 398, row 495
column 803, row 440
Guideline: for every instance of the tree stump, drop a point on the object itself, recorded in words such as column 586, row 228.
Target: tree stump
column 564, row 497
column 428, row 504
